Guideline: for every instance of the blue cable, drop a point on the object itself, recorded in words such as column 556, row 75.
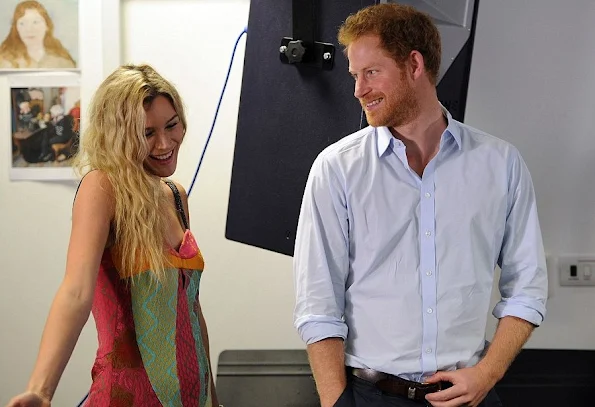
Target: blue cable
column 80, row 404
column 217, row 110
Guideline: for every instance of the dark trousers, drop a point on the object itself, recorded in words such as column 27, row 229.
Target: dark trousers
column 360, row 393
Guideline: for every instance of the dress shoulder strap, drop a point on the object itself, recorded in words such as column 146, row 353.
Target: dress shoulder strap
column 178, row 202
column 79, row 186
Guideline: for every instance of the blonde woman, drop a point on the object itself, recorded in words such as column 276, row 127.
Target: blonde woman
column 31, row 44
column 132, row 259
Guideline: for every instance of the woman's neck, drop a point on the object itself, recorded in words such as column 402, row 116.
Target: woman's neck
column 36, row 52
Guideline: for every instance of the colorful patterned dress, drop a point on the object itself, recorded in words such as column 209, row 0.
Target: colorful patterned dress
column 151, row 351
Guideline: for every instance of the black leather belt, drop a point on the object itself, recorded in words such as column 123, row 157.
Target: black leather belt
column 397, row 386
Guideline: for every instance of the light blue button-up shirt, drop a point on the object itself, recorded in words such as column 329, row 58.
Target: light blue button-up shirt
column 402, row 266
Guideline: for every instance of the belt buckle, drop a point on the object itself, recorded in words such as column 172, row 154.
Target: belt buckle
column 411, row 393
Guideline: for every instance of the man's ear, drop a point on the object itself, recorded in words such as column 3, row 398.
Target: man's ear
column 416, row 64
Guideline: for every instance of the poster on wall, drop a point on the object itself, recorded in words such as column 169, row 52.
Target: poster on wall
column 39, row 35
column 44, row 126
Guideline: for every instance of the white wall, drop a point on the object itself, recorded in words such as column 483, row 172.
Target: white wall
column 531, row 83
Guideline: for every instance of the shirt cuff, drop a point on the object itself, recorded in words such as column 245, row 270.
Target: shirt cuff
column 316, row 328
column 533, row 313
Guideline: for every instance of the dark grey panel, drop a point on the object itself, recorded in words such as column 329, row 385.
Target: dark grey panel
column 263, row 378
column 287, row 115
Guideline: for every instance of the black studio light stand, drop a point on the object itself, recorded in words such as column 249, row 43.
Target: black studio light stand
column 303, row 48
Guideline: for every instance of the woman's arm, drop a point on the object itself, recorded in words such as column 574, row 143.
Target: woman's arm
column 92, row 213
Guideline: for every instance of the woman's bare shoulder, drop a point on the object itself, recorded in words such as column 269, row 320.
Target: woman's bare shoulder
column 57, row 62
column 96, row 188
column 4, row 62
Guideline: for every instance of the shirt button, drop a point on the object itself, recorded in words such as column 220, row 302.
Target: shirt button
column 428, row 233
column 428, row 273
column 427, row 195
column 429, row 350
column 430, row 310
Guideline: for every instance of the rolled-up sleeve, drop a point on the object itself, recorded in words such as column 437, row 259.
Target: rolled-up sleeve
column 321, row 255
column 523, row 280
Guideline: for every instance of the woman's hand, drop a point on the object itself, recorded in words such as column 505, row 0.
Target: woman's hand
column 29, row 399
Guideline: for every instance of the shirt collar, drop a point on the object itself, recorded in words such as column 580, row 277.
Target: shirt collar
column 384, row 138
column 452, row 128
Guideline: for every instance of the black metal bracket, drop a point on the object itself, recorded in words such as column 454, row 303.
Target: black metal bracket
column 302, row 48
column 318, row 54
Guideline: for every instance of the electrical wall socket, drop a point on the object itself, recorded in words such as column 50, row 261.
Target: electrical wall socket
column 577, row 270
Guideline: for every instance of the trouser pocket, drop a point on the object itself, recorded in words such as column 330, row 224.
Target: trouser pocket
column 346, row 398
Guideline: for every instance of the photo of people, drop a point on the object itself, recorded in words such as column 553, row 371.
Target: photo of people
column 38, row 35
column 45, row 126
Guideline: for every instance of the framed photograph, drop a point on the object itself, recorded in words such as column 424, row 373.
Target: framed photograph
column 39, row 35
column 45, row 122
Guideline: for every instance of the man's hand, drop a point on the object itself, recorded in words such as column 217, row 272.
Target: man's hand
column 470, row 386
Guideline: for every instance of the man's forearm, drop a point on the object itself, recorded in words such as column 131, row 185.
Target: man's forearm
column 327, row 359
column 512, row 333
